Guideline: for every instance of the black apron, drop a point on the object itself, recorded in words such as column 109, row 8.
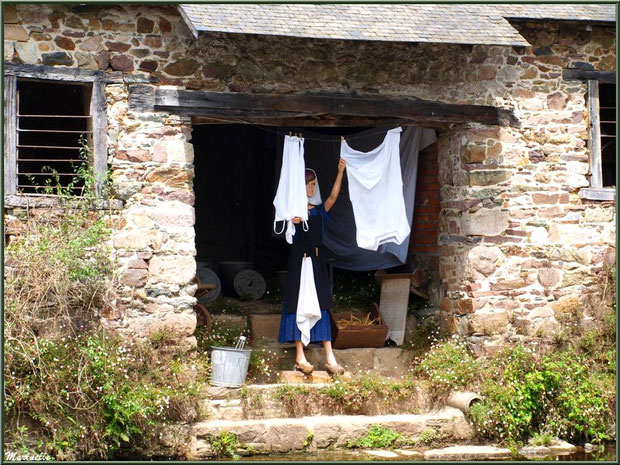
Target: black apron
column 309, row 243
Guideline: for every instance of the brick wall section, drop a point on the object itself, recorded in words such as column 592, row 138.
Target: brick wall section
column 425, row 227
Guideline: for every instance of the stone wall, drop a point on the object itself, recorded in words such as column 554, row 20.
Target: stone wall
column 517, row 245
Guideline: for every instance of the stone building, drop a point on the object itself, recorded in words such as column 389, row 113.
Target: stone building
column 515, row 208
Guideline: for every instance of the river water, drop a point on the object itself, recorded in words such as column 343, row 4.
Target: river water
column 606, row 453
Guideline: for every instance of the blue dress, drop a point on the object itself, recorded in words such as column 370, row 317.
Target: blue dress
column 307, row 242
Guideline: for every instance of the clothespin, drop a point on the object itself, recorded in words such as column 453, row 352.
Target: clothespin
column 301, row 136
column 341, row 139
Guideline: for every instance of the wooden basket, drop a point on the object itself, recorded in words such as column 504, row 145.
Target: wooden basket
column 359, row 336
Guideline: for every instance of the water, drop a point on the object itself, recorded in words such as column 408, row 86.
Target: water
column 606, row 453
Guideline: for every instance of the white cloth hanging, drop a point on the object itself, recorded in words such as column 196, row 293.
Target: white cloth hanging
column 376, row 192
column 291, row 199
column 308, row 309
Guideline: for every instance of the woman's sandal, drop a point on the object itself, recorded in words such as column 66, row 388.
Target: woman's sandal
column 304, row 367
column 334, row 369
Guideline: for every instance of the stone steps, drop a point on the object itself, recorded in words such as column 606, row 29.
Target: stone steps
column 261, row 401
column 392, row 362
column 285, row 435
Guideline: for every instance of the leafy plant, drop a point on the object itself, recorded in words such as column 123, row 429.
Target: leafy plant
column 428, row 436
column 448, row 365
column 224, row 445
column 378, row 437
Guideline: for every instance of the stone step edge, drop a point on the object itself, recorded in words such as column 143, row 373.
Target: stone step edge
column 281, row 435
column 445, row 414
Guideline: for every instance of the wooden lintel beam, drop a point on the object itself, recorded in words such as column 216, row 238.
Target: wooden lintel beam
column 576, row 74
column 256, row 106
column 61, row 74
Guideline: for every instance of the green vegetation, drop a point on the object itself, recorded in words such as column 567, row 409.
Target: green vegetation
column 448, row 365
column 567, row 393
column 224, row 445
column 74, row 391
column 428, row 436
column 351, row 396
column 355, row 291
column 309, row 438
column 378, row 437
column 221, row 334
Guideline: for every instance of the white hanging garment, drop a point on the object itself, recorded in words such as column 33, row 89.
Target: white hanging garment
column 291, row 199
column 376, row 192
column 308, row 309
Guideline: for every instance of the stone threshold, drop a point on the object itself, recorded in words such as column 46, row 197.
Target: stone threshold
column 286, row 435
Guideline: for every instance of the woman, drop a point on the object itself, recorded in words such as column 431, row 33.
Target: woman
column 308, row 241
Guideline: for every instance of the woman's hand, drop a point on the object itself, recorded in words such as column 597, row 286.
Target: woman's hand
column 342, row 164
column 296, row 220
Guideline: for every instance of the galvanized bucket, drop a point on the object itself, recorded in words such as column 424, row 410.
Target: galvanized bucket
column 229, row 366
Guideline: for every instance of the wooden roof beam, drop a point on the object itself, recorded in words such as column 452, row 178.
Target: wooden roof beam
column 254, row 107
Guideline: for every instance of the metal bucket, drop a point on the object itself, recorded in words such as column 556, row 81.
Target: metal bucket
column 229, row 366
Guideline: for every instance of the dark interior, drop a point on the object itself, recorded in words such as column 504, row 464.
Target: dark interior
column 607, row 103
column 236, row 174
column 51, row 119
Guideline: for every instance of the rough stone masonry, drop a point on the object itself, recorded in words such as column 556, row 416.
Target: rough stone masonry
column 519, row 249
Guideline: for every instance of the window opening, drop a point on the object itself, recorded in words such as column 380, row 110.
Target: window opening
column 52, row 118
column 607, row 114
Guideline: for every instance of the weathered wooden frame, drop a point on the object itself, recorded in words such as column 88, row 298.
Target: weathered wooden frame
column 313, row 109
column 596, row 191
column 98, row 79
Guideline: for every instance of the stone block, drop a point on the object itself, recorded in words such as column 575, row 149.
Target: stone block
column 144, row 25
column 488, row 322
column 134, row 278
column 171, row 214
column 484, row 222
column 482, row 261
column 264, row 328
column 121, row 63
column 57, row 58
column 556, row 101
column 9, row 50
column 474, row 154
column 16, row 32
column 179, row 151
column 132, row 240
column 599, row 215
column 545, row 199
column 295, row 377
column 171, row 177
column 488, row 178
column 184, row 67
column 64, row 43
column 172, row 269
column 27, row 52
column 92, row 44
column 549, row 277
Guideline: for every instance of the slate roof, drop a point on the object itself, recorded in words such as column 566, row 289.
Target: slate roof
column 446, row 23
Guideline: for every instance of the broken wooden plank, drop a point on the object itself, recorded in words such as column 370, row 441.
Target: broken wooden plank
column 143, row 98
column 594, row 135
column 10, row 135
column 576, row 74
column 100, row 136
column 61, row 74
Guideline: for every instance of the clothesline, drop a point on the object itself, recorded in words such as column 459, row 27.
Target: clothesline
column 337, row 139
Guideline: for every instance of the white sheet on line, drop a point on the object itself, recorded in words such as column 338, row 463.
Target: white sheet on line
column 291, row 199
column 376, row 192
column 308, row 308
